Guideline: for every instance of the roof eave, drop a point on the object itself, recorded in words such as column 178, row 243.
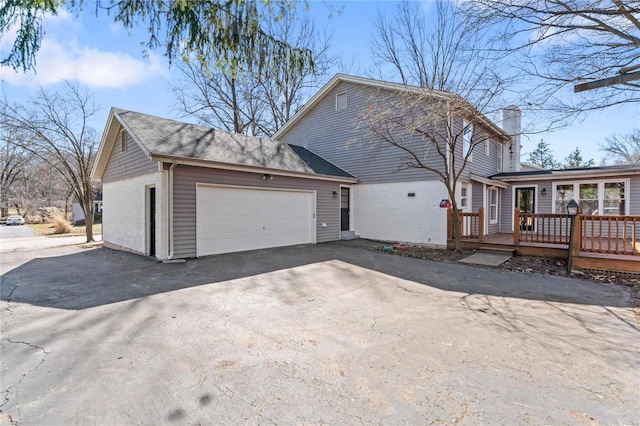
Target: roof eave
column 568, row 175
column 246, row 168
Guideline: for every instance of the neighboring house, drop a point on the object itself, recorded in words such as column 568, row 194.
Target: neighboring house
column 391, row 204
column 78, row 213
column 177, row 190
column 604, row 190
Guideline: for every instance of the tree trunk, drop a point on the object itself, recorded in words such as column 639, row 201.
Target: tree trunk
column 456, row 227
column 87, row 208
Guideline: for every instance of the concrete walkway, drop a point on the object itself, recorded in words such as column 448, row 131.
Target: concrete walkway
column 331, row 333
column 41, row 242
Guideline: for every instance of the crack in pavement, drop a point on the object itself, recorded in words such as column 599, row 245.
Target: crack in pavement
column 8, row 390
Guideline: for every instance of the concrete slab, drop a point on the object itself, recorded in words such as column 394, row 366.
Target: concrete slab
column 331, row 333
column 487, row 259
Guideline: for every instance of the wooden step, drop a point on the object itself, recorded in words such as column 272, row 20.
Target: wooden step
column 496, row 250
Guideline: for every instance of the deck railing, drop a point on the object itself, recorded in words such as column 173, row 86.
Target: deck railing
column 471, row 224
column 609, row 234
column 541, row 228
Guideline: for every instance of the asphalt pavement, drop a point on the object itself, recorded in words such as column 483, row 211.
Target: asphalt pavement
column 329, row 333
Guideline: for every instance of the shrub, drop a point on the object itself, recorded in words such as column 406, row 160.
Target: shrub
column 97, row 217
column 33, row 218
column 61, row 225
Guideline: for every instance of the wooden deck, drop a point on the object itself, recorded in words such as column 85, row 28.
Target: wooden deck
column 581, row 260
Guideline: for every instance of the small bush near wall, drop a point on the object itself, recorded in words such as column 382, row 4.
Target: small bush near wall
column 61, row 225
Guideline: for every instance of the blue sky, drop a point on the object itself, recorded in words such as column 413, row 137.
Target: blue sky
column 109, row 61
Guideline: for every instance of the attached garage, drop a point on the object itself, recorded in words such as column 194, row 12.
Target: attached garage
column 230, row 219
column 177, row 191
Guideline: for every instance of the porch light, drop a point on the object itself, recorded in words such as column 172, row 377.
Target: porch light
column 544, row 191
column 572, row 207
column 572, row 210
column 335, row 194
column 267, row 177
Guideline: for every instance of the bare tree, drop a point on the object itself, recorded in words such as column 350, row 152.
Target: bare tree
column 625, row 149
column 438, row 123
column 440, row 51
column 557, row 43
column 437, row 131
column 215, row 99
column 57, row 130
column 13, row 162
column 247, row 101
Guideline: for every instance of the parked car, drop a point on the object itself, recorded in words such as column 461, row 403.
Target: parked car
column 15, row 220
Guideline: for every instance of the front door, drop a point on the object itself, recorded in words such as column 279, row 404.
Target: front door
column 344, row 209
column 526, row 202
column 152, row 221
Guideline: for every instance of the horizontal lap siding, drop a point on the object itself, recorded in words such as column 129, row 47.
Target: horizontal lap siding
column 185, row 179
column 480, row 164
column 338, row 136
column 634, row 195
column 130, row 163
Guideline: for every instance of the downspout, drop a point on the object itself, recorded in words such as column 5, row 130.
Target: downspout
column 170, row 208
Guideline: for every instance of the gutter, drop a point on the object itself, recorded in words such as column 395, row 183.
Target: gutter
column 170, row 208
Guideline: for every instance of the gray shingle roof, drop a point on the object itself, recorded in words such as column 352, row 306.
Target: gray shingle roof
column 569, row 172
column 319, row 164
column 171, row 138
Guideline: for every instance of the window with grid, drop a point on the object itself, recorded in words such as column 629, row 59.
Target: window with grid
column 467, row 133
column 493, row 205
column 614, row 200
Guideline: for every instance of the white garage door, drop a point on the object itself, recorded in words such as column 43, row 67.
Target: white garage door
column 230, row 219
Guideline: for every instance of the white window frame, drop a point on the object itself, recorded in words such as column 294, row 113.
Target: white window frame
column 576, row 190
column 464, row 197
column 340, row 107
column 123, row 141
column 499, row 165
column 467, row 140
column 487, row 147
column 493, row 220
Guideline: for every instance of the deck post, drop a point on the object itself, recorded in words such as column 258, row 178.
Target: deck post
column 450, row 224
column 516, row 226
column 577, row 235
column 481, row 224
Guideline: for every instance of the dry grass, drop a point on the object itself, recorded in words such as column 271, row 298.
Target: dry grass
column 61, row 225
column 47, row 229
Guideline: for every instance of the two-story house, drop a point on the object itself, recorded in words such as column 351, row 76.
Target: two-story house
column 177, row 190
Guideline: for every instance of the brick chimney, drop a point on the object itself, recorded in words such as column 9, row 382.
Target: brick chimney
column 511, row 123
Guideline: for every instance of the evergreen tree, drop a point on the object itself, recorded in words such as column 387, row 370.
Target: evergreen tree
column 575, row 161
column 542, row 156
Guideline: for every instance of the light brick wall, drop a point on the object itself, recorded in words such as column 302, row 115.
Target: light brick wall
column 124, row 217
column 385, row 212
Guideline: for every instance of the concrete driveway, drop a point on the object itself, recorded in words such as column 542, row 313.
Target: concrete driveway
column 332, row 333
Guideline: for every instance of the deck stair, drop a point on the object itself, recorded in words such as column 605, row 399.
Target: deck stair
column 496, row 250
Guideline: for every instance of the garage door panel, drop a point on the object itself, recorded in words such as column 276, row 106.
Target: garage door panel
column 237, row 219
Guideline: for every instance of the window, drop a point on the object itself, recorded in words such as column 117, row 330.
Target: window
column 493, row 205
column 463, row 197
column 588, row 198
column 467, row 134
column 487, row 145
column 499, row 157
column 123, row 140
column 341, row 101
column 564, row 194
column 604, row 197
column 613, row 203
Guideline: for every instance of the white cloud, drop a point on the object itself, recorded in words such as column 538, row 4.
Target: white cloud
column 61, row 58
column 91, row 67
